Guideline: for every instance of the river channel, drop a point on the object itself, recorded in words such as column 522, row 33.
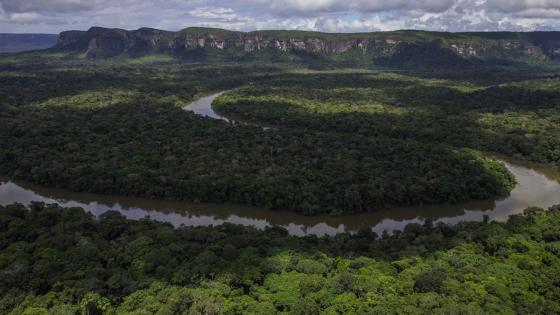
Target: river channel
column 537, row 185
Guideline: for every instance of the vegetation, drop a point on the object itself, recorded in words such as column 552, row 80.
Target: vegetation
column 519, row 118
column 340, row 141
column 94, row 129
column 63, row 261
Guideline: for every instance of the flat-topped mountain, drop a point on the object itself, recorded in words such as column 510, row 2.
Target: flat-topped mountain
column 399, row 48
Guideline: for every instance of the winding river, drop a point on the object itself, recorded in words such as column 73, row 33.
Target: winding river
column 538, row 185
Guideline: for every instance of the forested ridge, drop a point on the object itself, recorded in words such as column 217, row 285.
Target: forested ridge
column 63, row 261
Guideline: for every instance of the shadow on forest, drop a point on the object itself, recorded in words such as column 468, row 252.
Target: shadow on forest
column 410, row 91
column 145, row 149
column 29, row 86
column 432, row 125
column 113, row 154
column 429, row 112
column 115, row 136
column 142, row 148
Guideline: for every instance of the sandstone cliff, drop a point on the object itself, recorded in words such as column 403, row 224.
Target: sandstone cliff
column 206, row 43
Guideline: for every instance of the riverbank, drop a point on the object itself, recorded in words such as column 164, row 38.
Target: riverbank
column 537, row 185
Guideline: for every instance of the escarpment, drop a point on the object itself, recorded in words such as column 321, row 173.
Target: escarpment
column 218, row 44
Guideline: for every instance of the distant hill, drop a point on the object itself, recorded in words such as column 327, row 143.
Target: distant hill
column 10, row 43
column 394, row 49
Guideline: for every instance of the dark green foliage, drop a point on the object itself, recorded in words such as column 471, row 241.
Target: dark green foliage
column 62, row 261
column 342, row 141
column 519, row 119
column 424, row 55
column 118, row 129
column 430, row 280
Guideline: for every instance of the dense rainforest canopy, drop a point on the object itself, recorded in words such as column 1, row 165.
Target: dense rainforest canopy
column 348, row 141
column 339, row 141
column 63, row 261
column 519, row 118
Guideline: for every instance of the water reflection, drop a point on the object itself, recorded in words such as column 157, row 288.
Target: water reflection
column 203, row 107
column 538, row 185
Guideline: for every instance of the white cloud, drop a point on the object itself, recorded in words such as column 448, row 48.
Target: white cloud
column 225, row 14
column 513, row 6
column 372, row 24
column 30, row 19
column 539, row 13
column 307, row 7
column 320, row 15
column 25, row 6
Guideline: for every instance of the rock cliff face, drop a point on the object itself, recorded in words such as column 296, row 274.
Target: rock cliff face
column 102, row 42
column 222, row 44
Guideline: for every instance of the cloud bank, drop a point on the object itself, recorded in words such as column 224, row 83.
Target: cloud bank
column 53, row 16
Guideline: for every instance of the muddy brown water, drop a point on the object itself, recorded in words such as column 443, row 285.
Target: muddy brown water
column 537, row 185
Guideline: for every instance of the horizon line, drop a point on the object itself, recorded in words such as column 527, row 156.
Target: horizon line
column 284, row 30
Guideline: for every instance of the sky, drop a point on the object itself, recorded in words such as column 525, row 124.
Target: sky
column 54, row 16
